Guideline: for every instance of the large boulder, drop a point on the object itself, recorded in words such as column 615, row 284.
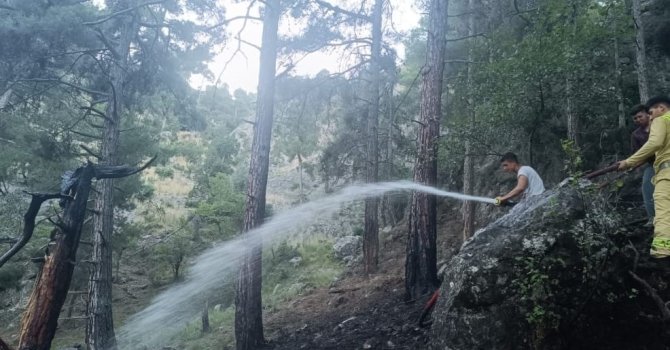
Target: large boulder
column 551, row 274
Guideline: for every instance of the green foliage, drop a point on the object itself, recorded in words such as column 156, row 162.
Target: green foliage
column 223, row 206
column 169, row 257
column 537, row 289
column 10, row 276
column 573, row 162
column 164, row 172
column 284, row 280
column 221, row 336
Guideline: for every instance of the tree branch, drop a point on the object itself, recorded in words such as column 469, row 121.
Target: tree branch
column 90, row 152
column 118, row 171
column 239, row 42
column 342, row 11
column 232, row 19
column 28, row 223
column 80, row 88
column 107, row 18
column 662, row 307
column 107, row 43
column 466, row 37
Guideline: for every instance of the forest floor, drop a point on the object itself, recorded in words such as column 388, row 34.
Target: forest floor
column 357, row 312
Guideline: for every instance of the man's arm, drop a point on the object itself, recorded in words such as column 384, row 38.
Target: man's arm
column 521, row 185
column 656, row 137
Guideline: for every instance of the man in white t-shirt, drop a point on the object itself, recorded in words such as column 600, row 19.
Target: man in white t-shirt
column 528, row 181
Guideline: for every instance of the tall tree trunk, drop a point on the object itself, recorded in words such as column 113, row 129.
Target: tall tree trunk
column 371, row 234
column 302, row 184
column 100, row 325
column 619, row 84
column 468, row 163
column 388, row 209
column 421, row 260
column 248, row 302
column 572, row 119
column 204, row 317
column 640, row 52
column 39, row 321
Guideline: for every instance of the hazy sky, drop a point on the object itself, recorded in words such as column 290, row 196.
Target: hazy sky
column 241, row 70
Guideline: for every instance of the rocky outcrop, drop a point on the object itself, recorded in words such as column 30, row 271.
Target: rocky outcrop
column 551, row 274
column 348, row 249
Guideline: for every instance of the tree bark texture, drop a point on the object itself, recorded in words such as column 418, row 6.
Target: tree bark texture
column 371, row 233
column 619, row 85
column 640, row 52
column 572, row 118
column 421, row 254
column 100, row 326
column 248, row 301
column 39, row 321
column 205, row 319
column 468, row 163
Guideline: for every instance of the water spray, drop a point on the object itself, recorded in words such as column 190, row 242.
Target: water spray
column 174, row 308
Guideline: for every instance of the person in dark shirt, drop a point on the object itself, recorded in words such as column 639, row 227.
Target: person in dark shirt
column 637, row 139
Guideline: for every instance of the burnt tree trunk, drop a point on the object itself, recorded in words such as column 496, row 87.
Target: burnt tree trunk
column 371, row 233
column 421, row 256
column 100, row 325
column 248, row 302
column 40, row 319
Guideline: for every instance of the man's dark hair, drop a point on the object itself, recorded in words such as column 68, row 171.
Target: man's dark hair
column 637, row 109
column 509, row 157
column 660, row 99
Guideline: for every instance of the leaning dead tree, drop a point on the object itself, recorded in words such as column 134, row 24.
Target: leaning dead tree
column 40, row 319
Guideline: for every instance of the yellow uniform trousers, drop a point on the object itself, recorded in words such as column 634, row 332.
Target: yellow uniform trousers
column 660, row 246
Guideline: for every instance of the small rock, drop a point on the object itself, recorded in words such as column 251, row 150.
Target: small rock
column 337, row 301
column 295, row 261
column 347, row 247
column 368, row 344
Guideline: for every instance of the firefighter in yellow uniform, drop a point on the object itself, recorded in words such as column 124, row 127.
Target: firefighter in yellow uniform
column 658, row 144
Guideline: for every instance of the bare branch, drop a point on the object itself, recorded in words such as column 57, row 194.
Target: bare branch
column 342, row 11
column 249, row 43
column 239, row 42
column 85, row 134
column 118, row 171
column 107, row 18
column 90, row 152
column 459, row 61
column 107, row 43
column 58, row 81
column 28, row 223
column 467, row 37
column 662, row 307
column 232, row 19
